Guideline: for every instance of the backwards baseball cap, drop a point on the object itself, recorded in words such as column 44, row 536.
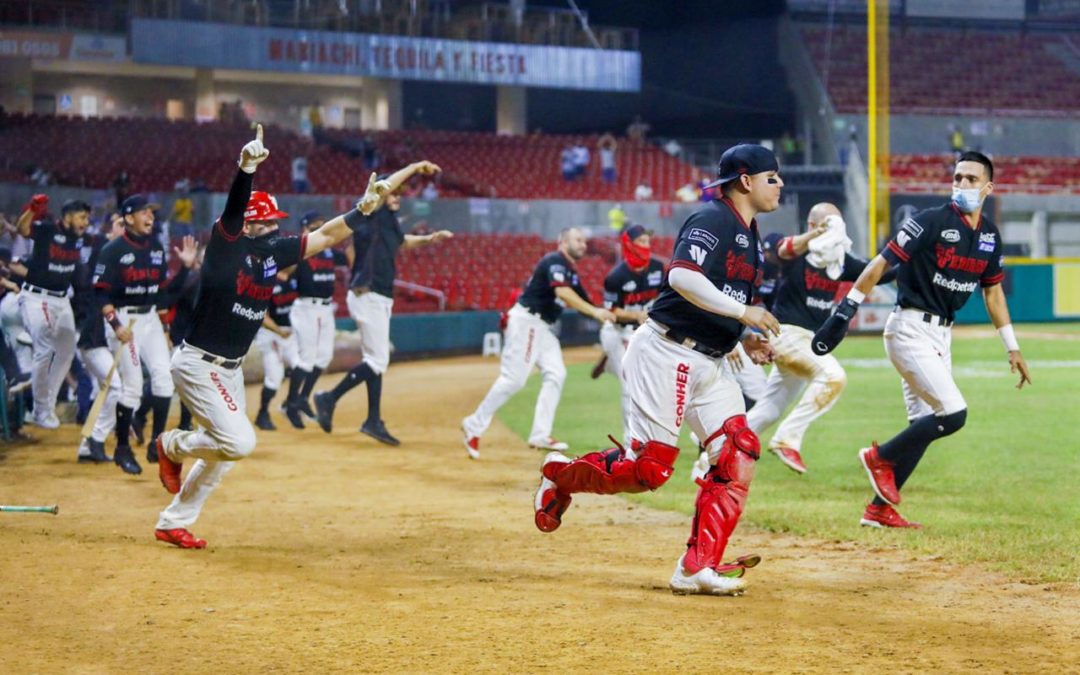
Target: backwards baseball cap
column 137, row 202
column 74, row 206
column 309, row 218
column 634, row 231
column 263, row 206
column 745, row 158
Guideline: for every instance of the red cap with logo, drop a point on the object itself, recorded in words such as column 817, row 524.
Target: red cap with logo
column 263, row 206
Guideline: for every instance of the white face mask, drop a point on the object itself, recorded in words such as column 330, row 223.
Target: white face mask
column 967, row 200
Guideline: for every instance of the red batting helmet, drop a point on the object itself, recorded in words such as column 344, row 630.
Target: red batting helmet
column 263, row 206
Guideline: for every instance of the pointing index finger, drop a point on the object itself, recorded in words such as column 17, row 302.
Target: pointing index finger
column 258, row 133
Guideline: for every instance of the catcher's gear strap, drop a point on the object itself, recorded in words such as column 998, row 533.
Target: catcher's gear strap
column 735, row 433
column 610, row 471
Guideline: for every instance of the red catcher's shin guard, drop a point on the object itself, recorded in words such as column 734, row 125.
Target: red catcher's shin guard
column 722, row 496
column 610, row 471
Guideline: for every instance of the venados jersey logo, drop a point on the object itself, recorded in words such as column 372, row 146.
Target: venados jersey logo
column 742, row 240
column 951, row 236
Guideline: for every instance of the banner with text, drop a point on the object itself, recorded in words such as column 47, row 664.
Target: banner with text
column 209, row 45
column 74, row 47
column 1002, row 10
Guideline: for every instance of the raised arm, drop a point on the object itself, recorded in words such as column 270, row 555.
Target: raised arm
column 339, row 227
column 251, row 155
column 418, row 240
column 398, row 178
column 796, row 245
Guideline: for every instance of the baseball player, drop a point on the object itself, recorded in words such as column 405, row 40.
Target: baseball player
column 531, row 340
column 818, row 261
column 313, row 322
column 46, row 310
column 276, row 341
column 374, row 250
column 674, row 372
column 94, row 349
column 629, row 290
column 944, row 254
column 129, row 277
column 238, row 276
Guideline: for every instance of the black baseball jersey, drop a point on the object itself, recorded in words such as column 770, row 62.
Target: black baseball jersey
column 376, row 245
column 716, row 242
column 553, row 270
column 315, row 276
column 281, row 302
column 183, row 308
column 88, row 302
column 633, row 291
column 237, row 278
column 772, row 275
column 807, row 296
column 57, row 252
column 943, row 260
column 131, row 271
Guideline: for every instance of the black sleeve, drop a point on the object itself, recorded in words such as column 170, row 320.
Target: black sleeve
column 910, row 237
column 289, row 251
column 174, row 289
column 611, row 292
column 231, row 222
column 107, row 282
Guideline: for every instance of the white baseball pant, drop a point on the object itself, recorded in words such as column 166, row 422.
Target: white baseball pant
column 147, row 343
column 371, row 312
column 277, row 353
column 922, row 353
column 312, row 322
column 669, row 384
column 796, row 369
column 751, row 377
column 529, row 341
column 51, row 325
column 223, row 435
column 11, row 319
column 613, row 340
column 99, row 361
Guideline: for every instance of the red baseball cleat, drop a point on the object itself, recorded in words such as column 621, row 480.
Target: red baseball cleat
column 880, row 473
column 168, row 470
column 179, row 537
column 472, row 443
column 885, row 516
column 790, row 458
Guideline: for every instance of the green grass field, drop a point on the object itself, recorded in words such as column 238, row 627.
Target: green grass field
column 1003, row 492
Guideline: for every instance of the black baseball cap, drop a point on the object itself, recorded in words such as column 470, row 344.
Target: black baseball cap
column 747, row 158
column 137, row 202
column 309, row 218
column 771, row 240
column 74, row 206
column 635, row 231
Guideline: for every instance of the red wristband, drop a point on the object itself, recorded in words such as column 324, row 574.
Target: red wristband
column 113, row 321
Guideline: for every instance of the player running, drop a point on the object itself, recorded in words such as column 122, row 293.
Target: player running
column 531, row 340
column 238, row 276
column 374, row 248
column 674, row 372
column 944, row 254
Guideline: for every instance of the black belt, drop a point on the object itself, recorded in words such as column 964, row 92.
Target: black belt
column 44, row 291
column 321, row 301
column 220, row 361
column 929, row 318
column 137, row 309
column 691, row 343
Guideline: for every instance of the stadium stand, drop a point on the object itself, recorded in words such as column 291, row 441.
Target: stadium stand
column 1029, row 175
column 952, row 70
column 85, row 152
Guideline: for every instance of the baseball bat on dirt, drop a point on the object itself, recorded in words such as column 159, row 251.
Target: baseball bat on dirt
column 99, row 402
column 54, row 509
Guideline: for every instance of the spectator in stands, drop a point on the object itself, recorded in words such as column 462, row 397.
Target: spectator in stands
column 607, row 145
column 183, row 211
column 637, row 129
column 581, row 160
column 616, row 218
column 566, row 163
column 121, row 186
column 299, row 174
column 672, row 147
column 643, row 192
column 430, row 191
column 315, row 117
column 789, row 147
column 956, row 139
column 688, row 193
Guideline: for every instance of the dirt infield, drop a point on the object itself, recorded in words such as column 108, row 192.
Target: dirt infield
column 332, row 553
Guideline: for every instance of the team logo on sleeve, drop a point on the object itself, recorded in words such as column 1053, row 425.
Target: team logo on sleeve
column 902, row 238
column 558, row 274
column 705, row 237
column 912, row 228
column 698, row 254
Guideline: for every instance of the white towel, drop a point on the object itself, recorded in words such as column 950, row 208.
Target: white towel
column 827, row 250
